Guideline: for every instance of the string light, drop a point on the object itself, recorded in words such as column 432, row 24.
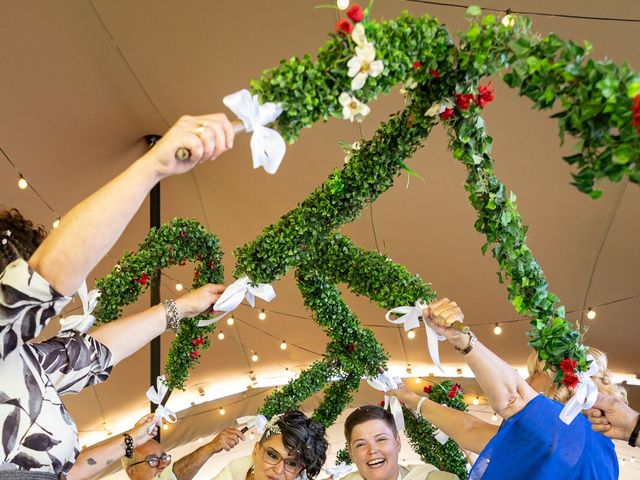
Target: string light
column 200, row 440
column 262, row 315
column 165, row 426
column 230, row 320
column 342, row 4
column 179, row 287
column 508, row 20
column 22, row 182
column 221, row 336
column 251, row 436
column 254, row 357
column 56, row 223
column 411, row 334
column 476, row 401
column 497, row 330
column 591, row 314
column 418, row 380
column 221, row 411
column 494, row 417
column 283, row 345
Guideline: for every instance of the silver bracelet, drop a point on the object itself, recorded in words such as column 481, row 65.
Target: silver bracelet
column 173, row 317
column 419, row 407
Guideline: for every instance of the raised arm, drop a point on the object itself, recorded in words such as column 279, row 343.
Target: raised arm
column 187, row 467
column 466, row 430
column 90, row 229
column 508, row 393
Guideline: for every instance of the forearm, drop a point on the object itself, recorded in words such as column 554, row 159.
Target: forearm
column 93, row 460
column 188, row 466
column 127, row 335
column 507, row 392
column 468, row 431
column 91, row 228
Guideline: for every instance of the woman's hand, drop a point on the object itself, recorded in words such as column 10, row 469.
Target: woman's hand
column 199, row 301
column 206, row 137
column 440, row 314
column 145, row 429
column 405, row 395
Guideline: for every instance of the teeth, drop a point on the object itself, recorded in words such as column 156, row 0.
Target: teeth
column 373, row 463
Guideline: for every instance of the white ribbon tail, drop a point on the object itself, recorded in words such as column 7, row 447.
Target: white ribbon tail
column 156, row 395
column 339, row 471
column 82, row 323
column 585, row 395
column 440, row 436
column 259, row 422
column 385, row 382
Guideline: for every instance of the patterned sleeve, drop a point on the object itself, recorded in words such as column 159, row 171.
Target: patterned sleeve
column 27, row 302
column 74, row 361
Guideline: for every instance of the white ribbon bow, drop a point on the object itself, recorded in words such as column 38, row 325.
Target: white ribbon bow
column 267, row 145
column 385, row 382
column 585, row 396
column 235, row 293
column 440, row 436
column 339, row 471
column 82, row 323
column 156, row 394
column 251, row 421
column 411, row 319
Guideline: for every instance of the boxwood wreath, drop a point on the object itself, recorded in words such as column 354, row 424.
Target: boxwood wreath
column 596, row 102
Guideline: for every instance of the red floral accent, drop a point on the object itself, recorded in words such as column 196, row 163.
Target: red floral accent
column 635, row 109
column 183, row 263
column 344, row 26
column 210, row 264
column 485, row 95
column 183, row 234
column 571, row 380
column 427, row 389
column 568, row 366
column 381, row 403
column 417, row 64
column 447, row 114
column 194, row 355
column 197, row 341
column 351, row 347
column 200, row 257
column 196, row 275
column 355, row 13
column 143, row 280
column 463, row 100
column 454, row 390
column 434, row 73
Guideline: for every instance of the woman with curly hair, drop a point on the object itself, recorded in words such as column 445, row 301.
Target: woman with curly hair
column 39, row 275
column 291, row 447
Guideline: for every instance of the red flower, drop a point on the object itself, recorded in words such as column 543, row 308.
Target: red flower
column 447, row 114
column 143, row 280
column 197, row 341
column 183, row 263
column 196, row 275
column 200, row 257
column 434, row 73
column 183, row 234
column 194, row 355
column 427, row 389
column 381, row 403
column 635, row 109
column 453, row 392
column 355, row 13
column 570, row 380
column 210, row 263
column 351, row 347
column 344, row 26
column 485, row 95
column 417, row 64
column 568, row 366
column 463, row 100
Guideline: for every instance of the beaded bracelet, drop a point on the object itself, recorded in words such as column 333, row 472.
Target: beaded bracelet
column 173, row 318
column 128, row 445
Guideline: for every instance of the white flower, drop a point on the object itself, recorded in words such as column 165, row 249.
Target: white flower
column 358, row 35
column 363, row 65
column 438, row 107
column 352, row 108
column 410, row 85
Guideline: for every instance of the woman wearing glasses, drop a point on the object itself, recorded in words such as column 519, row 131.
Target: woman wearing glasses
column 292, row 446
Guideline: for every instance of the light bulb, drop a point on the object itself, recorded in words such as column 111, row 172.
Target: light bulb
column 56, row 223
column 411, row 334
column 22, row 183
column 179, row 287
column 494, row 417
column 230, row 321
column 418, row 380
column 591, row 314
column 254, row 357
column 509, row 21
column 262, row 315
column 283, row 345
column 200, row 440
column 342, row 4
column 221, row 336
column 221, row 411
column 165, row 426
column 476, row 401
column 497, row 330
column 251, row 436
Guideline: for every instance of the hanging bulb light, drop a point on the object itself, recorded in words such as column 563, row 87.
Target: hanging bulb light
column 509, row 20
column 221, row 336
column 251, row 436
column 418, row 380
column 342, row 4
column 165, row 426
column 283, row 345
column 254, row 357
column 230, row 320
column 411, row 334
column 200, row 440
column 591, row 314
column 262, row 315
column 494, row 417
column 476, row 401
column 22, row 182
column 221, row 411
column 497, row 330
column 179, row 287
column 56, row 223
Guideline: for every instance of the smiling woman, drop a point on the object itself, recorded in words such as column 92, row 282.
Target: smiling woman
column 374, row 446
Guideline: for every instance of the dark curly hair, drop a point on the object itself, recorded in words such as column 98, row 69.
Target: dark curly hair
column 305, row 439
column 23, row 240
column 364, row 414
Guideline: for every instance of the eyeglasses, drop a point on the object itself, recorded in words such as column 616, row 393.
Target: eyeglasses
column 154, row 461
column 272, row 457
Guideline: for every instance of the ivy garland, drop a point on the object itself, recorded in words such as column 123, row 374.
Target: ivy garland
column 173, row 243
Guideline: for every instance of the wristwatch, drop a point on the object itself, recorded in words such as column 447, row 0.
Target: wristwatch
column 472, row 343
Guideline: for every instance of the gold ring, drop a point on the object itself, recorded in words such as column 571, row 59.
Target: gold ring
column 200, row 129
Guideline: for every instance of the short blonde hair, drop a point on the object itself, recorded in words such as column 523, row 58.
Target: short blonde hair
column 603, row 379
